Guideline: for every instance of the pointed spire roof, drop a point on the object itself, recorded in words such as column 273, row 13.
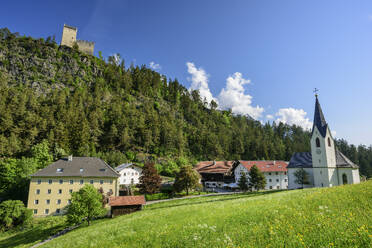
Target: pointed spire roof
column 319, row 120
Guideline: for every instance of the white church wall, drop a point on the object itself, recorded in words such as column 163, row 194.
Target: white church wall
column 333, row 177
column 291, row 178
column 356, row 176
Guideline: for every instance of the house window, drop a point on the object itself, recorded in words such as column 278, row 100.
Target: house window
column 48, row 201
column 285, row 180
column 60, row 191
column 68, row 201
column 38, row 191
column 329, row 141
column 81, row 170
column 38, row 181
column 58, row 211
column 285, row 173
column 271, row 187
column 270, row 173
column 49, row 191
column 277, row 180
column 317, row 141
column 60, row 181
column 277, row 187
column 110, row 181
column 50, row 181
column 36, row 202
column 82, row 181
column 100, row 181
column 125, row 174
column 35, row 211
column 276, row 173
column 71, row 181
column 132, row 181
column 110, row 191
column 103, row 169
column 59, row 201
column 46, row 211
column 270, row 180
column 59, row 170
column 70, row 191
column 91, row 181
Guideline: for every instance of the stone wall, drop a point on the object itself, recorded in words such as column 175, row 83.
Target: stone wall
column 86, row 46
column 68, row 35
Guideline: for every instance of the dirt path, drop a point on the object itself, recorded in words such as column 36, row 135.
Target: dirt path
column 193, row 196
column 64, row 231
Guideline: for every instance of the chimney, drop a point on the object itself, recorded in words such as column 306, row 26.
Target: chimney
column 274, row 162
column 214, row 162
column 70, row 158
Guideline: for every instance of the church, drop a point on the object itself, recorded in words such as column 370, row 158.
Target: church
column 325, row 165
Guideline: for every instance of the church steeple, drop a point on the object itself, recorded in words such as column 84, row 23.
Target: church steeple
column 319, row 120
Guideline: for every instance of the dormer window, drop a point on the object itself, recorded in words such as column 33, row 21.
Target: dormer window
column 103, row 169
column 81, row 170
column 59, row 170
column 317, row 141
column 329, row 142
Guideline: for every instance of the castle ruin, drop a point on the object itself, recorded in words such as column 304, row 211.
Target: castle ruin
column 69, row 39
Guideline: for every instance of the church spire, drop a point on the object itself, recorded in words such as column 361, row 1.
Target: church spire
column 319, row 120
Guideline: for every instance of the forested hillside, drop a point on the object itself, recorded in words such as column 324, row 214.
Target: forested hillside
column 87, row 106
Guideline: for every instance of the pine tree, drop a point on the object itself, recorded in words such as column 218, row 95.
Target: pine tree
column 257, row 178
column 150, row 180
column 243, row 183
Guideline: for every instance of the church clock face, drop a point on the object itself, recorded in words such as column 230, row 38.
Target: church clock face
column 318, row 151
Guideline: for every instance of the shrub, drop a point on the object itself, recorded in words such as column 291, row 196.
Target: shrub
column 12, row 214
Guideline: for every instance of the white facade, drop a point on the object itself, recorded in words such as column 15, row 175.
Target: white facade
column 129, row 174
column 291, row 178
column 274, row 179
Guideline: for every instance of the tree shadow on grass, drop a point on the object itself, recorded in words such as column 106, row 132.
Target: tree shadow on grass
column 223, row 198
column 31, row 236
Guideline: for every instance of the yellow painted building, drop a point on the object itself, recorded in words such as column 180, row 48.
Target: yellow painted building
column 50, row 188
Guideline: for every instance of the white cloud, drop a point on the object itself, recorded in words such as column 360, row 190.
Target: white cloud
column 154, row 66
column 333, row 132
column 199, row 81
column 233, row 97
column 293, row 116
column 270, row 117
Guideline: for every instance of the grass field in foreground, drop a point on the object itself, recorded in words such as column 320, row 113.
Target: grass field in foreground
column 327, row 217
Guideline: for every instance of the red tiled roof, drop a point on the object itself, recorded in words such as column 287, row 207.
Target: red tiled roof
column 266, row 165
column 127, row 200
column 214, row 166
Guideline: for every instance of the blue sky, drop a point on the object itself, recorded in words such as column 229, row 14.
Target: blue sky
column 261, row 57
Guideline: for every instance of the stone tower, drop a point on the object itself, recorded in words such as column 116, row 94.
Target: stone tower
column 68, row 35
column 69, row 39
column 323, row 151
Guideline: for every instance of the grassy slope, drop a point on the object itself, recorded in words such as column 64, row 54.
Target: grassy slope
column 339, row 216
column 38, row 230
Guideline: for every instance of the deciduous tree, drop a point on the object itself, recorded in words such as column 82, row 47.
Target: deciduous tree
column 150, row 180
column 186, row 179
column 257, row 178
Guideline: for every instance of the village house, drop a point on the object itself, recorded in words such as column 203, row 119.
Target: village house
column 325, row 165
column 275, row 172
column 226, row 174
column 215, row 174
column 129, row 174
column 50, row 188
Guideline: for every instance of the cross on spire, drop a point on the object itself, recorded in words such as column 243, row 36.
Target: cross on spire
column 316, row 92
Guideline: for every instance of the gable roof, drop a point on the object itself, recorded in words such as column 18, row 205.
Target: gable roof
column 266, row 165
column 214, row 166
column 319, row 120
column 127, row 200
column 304, row 160
column 123, row 166
column 77, row 167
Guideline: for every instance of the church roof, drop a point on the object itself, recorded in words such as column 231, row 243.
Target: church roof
column 304, row 160
column 319, row 120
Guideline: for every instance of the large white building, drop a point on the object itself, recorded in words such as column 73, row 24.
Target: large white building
column 325, row 165
column 275, row 172
column 129, row 174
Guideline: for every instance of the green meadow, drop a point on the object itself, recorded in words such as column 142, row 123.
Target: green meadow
column 327, row 217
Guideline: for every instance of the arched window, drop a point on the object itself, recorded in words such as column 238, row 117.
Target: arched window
column 317, row 141
column 344, row 178
column 329, row 141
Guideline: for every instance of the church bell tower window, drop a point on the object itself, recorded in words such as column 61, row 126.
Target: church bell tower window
column 329, row 142
column 317, row 141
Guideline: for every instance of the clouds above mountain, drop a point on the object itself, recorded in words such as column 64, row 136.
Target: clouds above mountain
column 232, row 96
column 293, row 116
column 154, row 66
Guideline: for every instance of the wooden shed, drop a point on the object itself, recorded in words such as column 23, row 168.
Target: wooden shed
column 126, row 204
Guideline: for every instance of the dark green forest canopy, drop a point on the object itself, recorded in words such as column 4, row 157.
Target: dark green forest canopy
column 88, row 106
